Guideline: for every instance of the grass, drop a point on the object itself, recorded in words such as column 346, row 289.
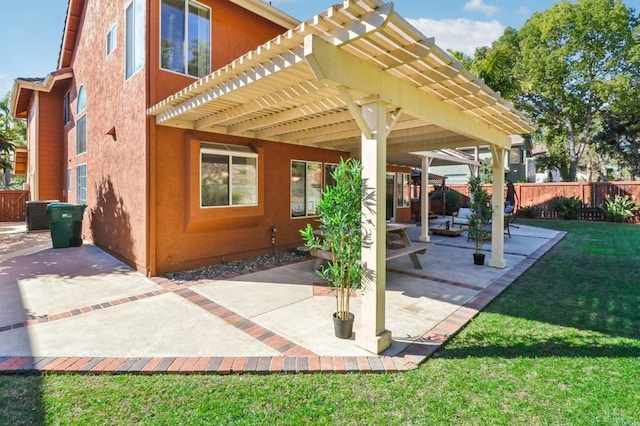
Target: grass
column 560, row 346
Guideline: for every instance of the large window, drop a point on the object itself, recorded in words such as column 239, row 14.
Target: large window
column 404, row 190
column 228, row 176
column 81, row 123
column 81, row 184
column 306, row 188
column 185, row 34
column 134, row 37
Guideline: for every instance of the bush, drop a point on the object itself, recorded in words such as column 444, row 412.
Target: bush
column 453, row 199
column 568, row 208
column 530, row 212
column 619, row 209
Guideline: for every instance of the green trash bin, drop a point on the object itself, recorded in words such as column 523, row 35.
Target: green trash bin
column 65, row 222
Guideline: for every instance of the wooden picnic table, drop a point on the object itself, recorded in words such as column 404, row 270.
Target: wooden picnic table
column 398, row 245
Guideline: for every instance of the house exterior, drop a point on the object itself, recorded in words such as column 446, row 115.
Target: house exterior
column 203, row 131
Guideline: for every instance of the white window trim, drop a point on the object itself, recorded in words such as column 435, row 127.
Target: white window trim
column 228, row 151
column 66, row 108
column 86, row 184
column 135, row 12
column 186, row 42
column 306, row 162
column 112, row 35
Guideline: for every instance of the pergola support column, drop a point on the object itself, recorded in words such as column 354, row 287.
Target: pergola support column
column 424, row 198
column 497, row 201
column 372, row 334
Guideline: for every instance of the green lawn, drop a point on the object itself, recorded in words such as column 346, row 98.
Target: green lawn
column 560, row 346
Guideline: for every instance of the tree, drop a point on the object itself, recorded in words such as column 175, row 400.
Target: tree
column 12, row 132
column 571, row 64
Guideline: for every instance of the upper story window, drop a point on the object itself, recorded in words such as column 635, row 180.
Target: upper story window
column 134, row 37
column 185, row 37
column 228, row 176
column 81, row 122
column 66, row 108
column 112, row 39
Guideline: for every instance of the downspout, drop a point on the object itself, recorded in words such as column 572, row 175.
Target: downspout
column 150, row 237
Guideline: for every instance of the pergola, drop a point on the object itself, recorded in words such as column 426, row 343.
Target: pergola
column 358, row 78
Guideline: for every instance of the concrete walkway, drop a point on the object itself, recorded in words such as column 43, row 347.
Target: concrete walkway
column 81, row 310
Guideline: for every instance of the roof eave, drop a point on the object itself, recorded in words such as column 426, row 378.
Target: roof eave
column 20, row 110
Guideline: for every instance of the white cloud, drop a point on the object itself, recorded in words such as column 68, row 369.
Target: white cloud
column 473, row 5
column 460, row 34
column 523, row 11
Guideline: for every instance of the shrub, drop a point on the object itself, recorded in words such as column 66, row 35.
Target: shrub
column 568, row 208
column 619, row 209
column 530, row 212
column 453, row 199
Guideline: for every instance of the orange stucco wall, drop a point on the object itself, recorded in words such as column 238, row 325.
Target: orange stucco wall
column 189, row 236
column 116, row 169
column 51, row 177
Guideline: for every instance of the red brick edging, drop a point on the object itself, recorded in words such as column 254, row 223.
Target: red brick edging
column 295, row 359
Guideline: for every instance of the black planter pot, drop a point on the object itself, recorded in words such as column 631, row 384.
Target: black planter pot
column 478, row 259
column 343, row 328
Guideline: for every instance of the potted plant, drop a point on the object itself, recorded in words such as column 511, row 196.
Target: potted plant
column 479, row 217
column 340, row 234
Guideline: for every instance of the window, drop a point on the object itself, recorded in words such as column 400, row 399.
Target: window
column 82, row 100
column 134, row 37
column 81, row 184
column 81, row 123
column 306, row 188
column 228, row 176
column 404, row 190
column 69, row 186
column 185, row 34
column 328, row 174
column 112, row 39
column 66, row 109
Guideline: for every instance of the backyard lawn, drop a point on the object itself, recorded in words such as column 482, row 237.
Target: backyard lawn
column 560, row 346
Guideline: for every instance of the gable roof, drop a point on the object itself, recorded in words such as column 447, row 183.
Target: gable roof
column 23, row 89
column 305, row 85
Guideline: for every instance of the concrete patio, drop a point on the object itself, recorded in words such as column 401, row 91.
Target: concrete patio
column 79, row 309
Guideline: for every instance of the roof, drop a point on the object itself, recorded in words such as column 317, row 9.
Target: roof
column 305, row 86
column 23, row 89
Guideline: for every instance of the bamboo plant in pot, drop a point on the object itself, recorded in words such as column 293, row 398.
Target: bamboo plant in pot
column 479, row 218
column 340, row 233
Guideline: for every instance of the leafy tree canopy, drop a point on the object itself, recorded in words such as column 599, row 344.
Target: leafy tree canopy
column 566, row 68
column 12, row 132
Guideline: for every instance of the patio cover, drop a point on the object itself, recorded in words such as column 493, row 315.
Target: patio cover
column 359, row 78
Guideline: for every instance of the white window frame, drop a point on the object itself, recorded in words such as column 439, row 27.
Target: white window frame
column 69, row 181
column 81, row 111
column 66, row 108
column 112, row 39
column 231, row 152
column 79, row 187
column 307, row 206
column 186, row 41
column 134, row 38
column 403, row 183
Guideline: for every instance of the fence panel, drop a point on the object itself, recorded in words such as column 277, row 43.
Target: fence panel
column 12, row 205
column 592, row 195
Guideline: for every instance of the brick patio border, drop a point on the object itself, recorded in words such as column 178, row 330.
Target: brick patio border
column 294, row 359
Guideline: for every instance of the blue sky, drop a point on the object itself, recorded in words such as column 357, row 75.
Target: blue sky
column 31, row 30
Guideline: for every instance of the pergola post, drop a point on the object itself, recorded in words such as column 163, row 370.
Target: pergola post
column 497, row 201
column 372, row 334
column 424, row 200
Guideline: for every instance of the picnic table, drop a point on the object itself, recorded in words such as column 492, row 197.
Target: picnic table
column 398, row 245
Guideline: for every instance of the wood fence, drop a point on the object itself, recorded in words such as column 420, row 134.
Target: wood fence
column 541, row 195
column 12, row 205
